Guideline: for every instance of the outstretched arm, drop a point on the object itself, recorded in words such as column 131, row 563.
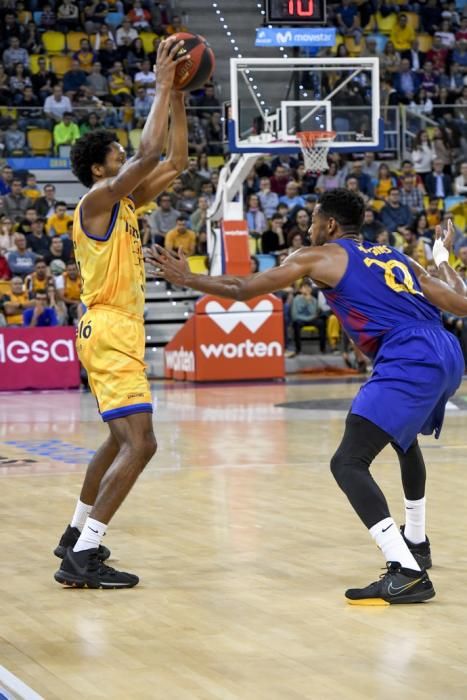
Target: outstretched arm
column 312, row 262
column 441, row 250
column 111, row 190
column 177, row 155
column 439, row 293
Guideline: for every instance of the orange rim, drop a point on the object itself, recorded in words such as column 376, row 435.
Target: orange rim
column 309, row 138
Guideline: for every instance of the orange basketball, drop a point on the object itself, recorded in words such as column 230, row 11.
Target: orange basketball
column 194, row 73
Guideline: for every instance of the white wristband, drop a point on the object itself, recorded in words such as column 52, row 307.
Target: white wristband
column 440, row 252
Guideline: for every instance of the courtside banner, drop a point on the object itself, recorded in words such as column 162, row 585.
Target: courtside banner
column 38, row 358
column 229, row 340
column 239, row 339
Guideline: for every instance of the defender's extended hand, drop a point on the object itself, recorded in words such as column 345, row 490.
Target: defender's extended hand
column 443, row 243
column 173, row 268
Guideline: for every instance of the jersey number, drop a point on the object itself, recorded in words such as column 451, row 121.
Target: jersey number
column 407, row 285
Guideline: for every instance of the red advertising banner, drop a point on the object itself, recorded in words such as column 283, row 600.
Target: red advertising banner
column 229, row 340
column 38, row 358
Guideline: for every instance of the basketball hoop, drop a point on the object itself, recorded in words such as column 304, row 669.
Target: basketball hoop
column 315, row 146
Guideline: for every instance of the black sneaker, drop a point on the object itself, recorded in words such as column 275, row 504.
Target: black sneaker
column 397, row 585
column 70, row 538
column 84, row 570
column 421, row 552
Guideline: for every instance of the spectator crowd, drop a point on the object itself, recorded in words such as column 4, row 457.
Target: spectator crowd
column 71, row 66
column 109, row 82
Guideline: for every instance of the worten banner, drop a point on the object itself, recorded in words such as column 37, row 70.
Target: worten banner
column 38, row 358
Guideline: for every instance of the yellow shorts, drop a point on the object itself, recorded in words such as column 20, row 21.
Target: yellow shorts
column 110, row 346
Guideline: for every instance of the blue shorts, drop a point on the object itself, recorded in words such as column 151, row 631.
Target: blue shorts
column 417, row 369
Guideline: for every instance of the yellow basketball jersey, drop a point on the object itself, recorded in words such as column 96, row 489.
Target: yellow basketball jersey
column 111, row 267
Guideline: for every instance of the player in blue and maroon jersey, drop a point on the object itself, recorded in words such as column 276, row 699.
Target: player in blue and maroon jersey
column 376, row 293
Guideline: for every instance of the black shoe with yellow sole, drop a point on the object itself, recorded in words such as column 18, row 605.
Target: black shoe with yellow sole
column 396, row 586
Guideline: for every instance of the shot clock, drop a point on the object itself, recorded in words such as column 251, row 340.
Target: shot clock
column 295, row 12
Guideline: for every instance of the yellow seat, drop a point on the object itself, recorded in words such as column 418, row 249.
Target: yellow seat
column 459, row 222
column 54, row 42
column 40, row 141
column 122, row 136
column 60, row 64
column 73, row 40
column 135, row 138
column 34, row 62
column 413, row 19
column 9, row 113
column 425, row 42
column 198, row 264
column 5, row 287
column 309, row 329
column 254, row 245
column 148, row 40
column 216, row 161
column 385, row 24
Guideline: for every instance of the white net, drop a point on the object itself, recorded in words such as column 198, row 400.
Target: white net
column 315, row 147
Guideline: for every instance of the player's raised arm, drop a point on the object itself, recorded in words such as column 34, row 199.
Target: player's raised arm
column 177, row 155
column 306, row 262
column 110, row 190
column 439, row 293
column 441, row 250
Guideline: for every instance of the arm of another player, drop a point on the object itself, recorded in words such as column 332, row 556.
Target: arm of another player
column 110, row 191
column 177, row 155
column 306, row 262
column 439, row 293
column 441, row 251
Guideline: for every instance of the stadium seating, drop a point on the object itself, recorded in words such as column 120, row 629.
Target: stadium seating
column 198, row 264
column 122, row 136
column 40, row 141
column 134, row 136
column 73, row 40
column 114, row 19
column 385, row 24
column 54, row 42
column 60, row 65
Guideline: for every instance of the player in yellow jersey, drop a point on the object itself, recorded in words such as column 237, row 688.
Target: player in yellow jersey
column 111, row 337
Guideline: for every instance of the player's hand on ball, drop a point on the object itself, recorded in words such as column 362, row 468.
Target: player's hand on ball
column 171, row 267
column 167, row 60
column 443, row 243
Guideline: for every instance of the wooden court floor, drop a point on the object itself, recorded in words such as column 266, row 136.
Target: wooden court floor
column 244, row 546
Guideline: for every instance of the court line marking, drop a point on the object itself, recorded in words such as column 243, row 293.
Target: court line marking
column 15, row 685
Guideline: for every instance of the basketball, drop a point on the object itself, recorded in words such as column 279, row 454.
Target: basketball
column 194, row 73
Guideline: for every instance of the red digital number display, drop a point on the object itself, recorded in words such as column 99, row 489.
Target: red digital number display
column 302, row 8
column 299, row 12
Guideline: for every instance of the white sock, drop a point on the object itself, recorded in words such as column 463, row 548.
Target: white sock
column 388, row 538
column 91, row 536
column 82, row 511
column 414, row 529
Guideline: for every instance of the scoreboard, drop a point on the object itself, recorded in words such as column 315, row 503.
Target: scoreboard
column 295, row 12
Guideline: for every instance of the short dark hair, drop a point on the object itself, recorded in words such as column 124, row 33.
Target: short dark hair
column 346, row 207
column 182, row 217
column 60, row 204
column 91, row 149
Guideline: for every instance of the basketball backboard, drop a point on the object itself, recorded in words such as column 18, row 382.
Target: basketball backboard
column 272, row 99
